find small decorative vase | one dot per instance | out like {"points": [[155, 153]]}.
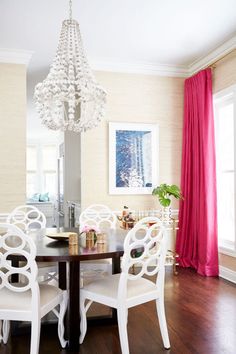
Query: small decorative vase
{"points": [[73, 244], [91, 239], [166, 215]]}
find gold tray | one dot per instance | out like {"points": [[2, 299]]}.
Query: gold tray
{"points": [[60, 236]]}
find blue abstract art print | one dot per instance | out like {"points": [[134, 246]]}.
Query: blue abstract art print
{"points": [[133, 158]]}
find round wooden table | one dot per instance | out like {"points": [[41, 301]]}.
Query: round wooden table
{"points": [[49, 250]]}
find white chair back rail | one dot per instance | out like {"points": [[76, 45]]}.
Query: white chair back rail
{"points": [[27, 217], [102, 218], [98, 215]]}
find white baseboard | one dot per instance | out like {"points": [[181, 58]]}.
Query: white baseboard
{"points": [[227, 274]]}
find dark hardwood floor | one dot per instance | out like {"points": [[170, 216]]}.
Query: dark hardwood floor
{"points": [[201, 316]]}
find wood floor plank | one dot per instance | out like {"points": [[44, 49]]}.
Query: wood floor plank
{"points": [[201, 315]]}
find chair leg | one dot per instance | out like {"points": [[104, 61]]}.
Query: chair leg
{"points": [[83, 320], [5, 330], [35, 335], [162, 322], [122, 325], [1, 334], [61, 327]]}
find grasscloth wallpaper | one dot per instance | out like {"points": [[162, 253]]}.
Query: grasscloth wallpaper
{"points": [[138, 99], [12, 136]]}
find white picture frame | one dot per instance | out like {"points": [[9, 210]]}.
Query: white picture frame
{"points": [[133, 158]]}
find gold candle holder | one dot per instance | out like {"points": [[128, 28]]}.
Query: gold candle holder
{"points": [[73, 243], [73, 239], [74, 249], [101, 237], [101, 247]]}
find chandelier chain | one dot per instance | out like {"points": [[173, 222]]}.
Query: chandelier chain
{"points": [[70, 9]]}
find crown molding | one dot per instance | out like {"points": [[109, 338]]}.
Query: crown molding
{"points": [[15, 56], [213, 56], [165, 69], [146, 68]]}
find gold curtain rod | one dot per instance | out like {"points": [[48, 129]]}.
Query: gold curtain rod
{"points": [[213, 65]]}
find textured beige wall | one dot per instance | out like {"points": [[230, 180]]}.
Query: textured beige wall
{"points": [[224, 75], [12, 136], [139, 99]]}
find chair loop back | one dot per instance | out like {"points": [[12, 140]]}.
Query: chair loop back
{"points": [[145, 247], [27, 217], [14, 242], [99, 216]]}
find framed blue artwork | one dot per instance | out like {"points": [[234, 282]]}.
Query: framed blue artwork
{"points": [[133, 158]]}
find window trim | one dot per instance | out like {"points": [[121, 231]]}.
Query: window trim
{"points": [[227, 251], [39, 170], [220, 99]]}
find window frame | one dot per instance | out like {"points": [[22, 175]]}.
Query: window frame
{"points": [[40, 171], [221, 99]]}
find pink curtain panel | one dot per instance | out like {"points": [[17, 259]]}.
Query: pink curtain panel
{"points": [[196, 241]]}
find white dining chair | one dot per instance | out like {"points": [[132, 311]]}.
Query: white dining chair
{"points": [[125, 290], [28, 300], [103, 218], [98, 215], [29, 218]]}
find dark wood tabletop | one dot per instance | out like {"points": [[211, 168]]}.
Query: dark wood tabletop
{"points": [[53, 250]]}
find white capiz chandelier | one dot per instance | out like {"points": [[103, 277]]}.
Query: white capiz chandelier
{"points": [[70, 98]]}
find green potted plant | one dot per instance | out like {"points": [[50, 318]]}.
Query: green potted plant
{"points": [[165, 191]]}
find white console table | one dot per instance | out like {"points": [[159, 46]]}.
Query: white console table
{"points": [[47, 208], [172, 256]]}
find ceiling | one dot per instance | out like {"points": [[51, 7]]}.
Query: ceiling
{"points": [[124, 35], [147, 32]]}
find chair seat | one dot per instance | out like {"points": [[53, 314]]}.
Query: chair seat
{"points": [[108, 288], [22, 301]]}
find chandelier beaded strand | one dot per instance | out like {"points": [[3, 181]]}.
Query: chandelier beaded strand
{"points": [[70, 98]]}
